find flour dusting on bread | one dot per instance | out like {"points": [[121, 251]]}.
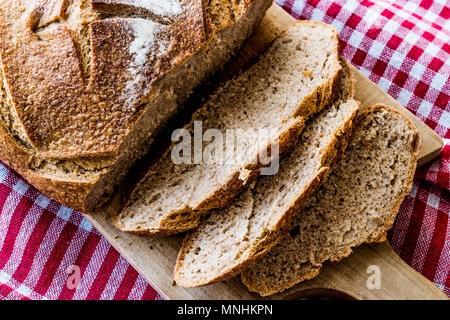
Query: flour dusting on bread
{"points": [[159, 7], [142, 49]]}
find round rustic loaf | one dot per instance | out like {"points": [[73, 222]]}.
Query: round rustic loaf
{"points": [[87, 85]]}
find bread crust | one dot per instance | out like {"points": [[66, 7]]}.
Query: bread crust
{"points": [[68, 193], [72, 193], [379, 236]]}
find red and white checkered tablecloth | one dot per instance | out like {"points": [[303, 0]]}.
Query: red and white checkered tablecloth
{"points": [[403, 46]]}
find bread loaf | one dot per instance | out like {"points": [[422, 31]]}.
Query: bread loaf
{"points": [[357, 204], [85, 86], [294, 79]]}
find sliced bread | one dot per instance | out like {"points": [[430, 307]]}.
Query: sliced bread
{"points": [[357, 204], [294, 79], [232, 238]]}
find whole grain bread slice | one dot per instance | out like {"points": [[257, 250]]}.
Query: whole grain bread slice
{"points": [[231, 239], [294, 79], [357, 204]]}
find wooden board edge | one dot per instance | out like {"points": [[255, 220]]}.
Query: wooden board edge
{"points": [[398, 280]]}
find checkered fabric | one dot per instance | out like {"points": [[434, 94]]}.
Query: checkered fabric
{"points": [[403, 46]]}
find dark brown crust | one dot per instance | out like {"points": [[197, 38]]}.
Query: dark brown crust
{"points": [[189, 34], [379, 236], [278, 230], [44, 113], [66, 192], [54, 10]]}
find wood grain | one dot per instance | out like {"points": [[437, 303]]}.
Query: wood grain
{"points": [[349, 277], [154, 259]]}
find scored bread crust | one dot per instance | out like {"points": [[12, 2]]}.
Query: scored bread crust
{"points": [[65, 187], [52, 120], [380, 235], [279, 227], [267, 242]]}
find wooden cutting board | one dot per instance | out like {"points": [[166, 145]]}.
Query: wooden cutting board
{"points": [[154, 259]]}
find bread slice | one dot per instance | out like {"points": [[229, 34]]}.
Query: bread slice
{"points": [[293, 80], [232, 238], [86, 86], [357, 204]]}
